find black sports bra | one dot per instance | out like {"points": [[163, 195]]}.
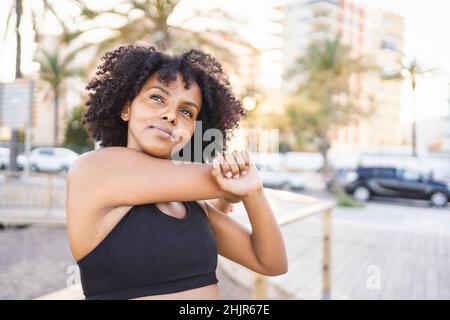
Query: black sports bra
{"points": [[149, 252]]}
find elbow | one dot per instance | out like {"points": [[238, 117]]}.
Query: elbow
{"points": [[281, 271], [278, 271], [285, 269]]}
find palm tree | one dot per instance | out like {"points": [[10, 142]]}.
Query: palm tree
{"points": [[55, 70], [33, 8], [410, 71], [149, 22], [325, 69], [17, 10]]}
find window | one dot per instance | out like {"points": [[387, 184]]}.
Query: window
{"points": [[388, 45], [409, 175], [387, 173], [316, 1], [47, 152]]}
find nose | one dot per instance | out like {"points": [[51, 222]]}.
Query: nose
{"points": [[169, 116]]}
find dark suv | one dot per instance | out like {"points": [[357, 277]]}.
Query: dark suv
{"points": [[365, 182]]}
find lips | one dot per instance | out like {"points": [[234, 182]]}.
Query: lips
{"points": [[166, 130], [163, 132]]}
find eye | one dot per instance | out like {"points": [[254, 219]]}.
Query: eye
{"points": [[189, 113], [157, 98]]}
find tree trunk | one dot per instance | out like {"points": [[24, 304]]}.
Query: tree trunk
{"points": [[14, 143], [56, 120], [414, 139], [18, 38], [323, 149], [414, 122]]}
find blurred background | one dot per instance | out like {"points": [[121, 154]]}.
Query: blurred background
{"points": [[348, 120]]}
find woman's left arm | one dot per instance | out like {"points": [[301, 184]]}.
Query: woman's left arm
{"points": [[262, 249], [266, 237]]}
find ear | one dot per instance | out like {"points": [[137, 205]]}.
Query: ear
{"points": [[125, 114]]}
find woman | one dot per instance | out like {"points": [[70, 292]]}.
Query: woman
{"points": [[141, 225]]}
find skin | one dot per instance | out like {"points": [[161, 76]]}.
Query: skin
{"points": [[104, 184]]}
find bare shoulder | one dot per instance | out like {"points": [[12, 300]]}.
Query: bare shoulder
{"points": [[80, 170], [79, 180], [81, 184], [89, 162], [88, 219]]}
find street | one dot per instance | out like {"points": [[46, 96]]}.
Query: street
{"points": [[386, 250]]}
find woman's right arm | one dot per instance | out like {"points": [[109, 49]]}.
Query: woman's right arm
{"points": [[120, 176]]}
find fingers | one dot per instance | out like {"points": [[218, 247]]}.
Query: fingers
{"points": [[246, 156], [233, 164], [224, 166], [240, 162], [217, 173], [216, 167]]}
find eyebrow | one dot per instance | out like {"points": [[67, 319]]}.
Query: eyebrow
{"points": [[160, 88], [168, 93]]}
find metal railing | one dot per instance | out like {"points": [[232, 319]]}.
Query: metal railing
{"points": [[33, 197], [312, 207]]}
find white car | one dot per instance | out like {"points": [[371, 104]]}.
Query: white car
{"points": [[4, 159], [276, 178], [51, 159]]}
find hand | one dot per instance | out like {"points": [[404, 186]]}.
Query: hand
{"points": [[236, 173]]}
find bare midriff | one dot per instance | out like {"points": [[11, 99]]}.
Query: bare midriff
{"points": [[210, 292]]}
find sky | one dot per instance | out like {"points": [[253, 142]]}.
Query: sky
{"points": [[426, 23]]}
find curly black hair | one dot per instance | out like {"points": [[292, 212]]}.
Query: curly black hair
{"points": [[124, 71]]}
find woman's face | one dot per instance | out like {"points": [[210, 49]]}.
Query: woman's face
{"points": [[158, 108]]}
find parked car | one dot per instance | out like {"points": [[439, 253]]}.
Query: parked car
{"points": [[277, 178], [365, 182], [336, 178], [4, 159], [51, 159]]}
